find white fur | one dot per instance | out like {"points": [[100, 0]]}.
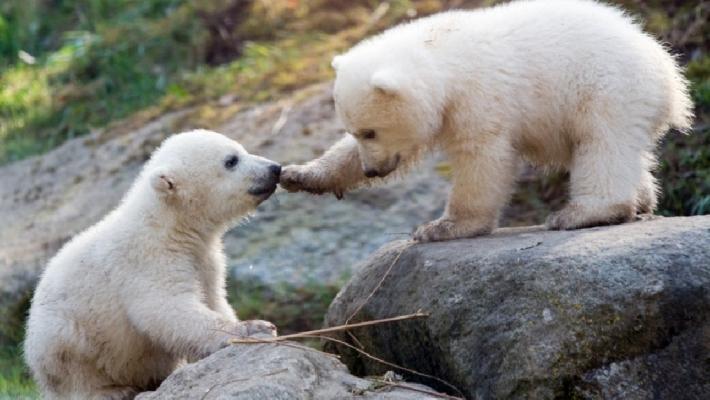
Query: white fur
{"points": [[126, 301], [571, 84]]}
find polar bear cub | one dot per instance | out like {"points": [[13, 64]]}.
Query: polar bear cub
{"points": [[126, 301], [571, 84]]}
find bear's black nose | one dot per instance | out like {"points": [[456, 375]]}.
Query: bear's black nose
{"points": [[371, 173], [275, 170]]}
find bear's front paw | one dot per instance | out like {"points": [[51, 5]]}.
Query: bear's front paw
{"points": [[298, 178], [447, 229], [295, 178], [257, 328]]}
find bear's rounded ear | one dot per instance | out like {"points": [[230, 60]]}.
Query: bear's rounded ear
{"points": [[163, 182], [336, 62], [386, 81]]}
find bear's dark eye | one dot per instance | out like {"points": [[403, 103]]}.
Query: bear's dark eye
{"points": [[368, 134], [231, 162]]}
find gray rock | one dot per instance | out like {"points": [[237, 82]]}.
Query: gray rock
{"points": [[620, 312], [672, 372], [276, 371]]}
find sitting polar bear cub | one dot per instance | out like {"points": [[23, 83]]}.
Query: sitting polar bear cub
{"points": [[126, 301], [562, 84]]}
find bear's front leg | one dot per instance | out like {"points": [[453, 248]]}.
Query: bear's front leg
{"points": [[181, 323], [336, 171], [481, 187]]}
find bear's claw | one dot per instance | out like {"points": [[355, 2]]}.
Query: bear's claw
{"points": [[256, 327], [447, 229], [434, 231]]}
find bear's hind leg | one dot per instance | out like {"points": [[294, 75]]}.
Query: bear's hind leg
{"points": [[647, 191], [605, 179]]}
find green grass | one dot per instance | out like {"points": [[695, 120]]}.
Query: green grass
{"points": [[685, 159], [15, 382], [698, 72], [94, 62], [685, 170], [98, 61]]}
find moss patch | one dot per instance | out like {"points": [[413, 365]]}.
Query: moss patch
{"points": [[291, 309]]}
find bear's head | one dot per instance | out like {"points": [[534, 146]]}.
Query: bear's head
{"points": [[390, 104], [206, 177]]}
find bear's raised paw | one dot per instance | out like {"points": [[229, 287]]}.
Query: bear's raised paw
{"points": [[297, 178]]}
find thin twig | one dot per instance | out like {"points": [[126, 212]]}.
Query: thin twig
{"points": [[294, 345], [339, 328], [390, 364], [281, 121], [355, 339], [416, 389], [357, 310], [363, 352], [306, 348]]}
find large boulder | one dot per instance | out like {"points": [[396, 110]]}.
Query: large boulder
{"points": [[278, 371], [611, 312]]}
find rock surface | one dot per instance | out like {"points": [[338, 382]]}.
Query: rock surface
{"points": [[276, 371], [618, 312]]}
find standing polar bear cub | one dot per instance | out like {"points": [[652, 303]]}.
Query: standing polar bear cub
{"points": [[564, 84], [126, 301]]}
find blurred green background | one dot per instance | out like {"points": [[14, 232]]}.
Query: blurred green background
{"points": [[68, 67]]}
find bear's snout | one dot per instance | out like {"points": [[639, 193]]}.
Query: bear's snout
{"points": [[266, 185], [382, 171], [275, 170]]}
